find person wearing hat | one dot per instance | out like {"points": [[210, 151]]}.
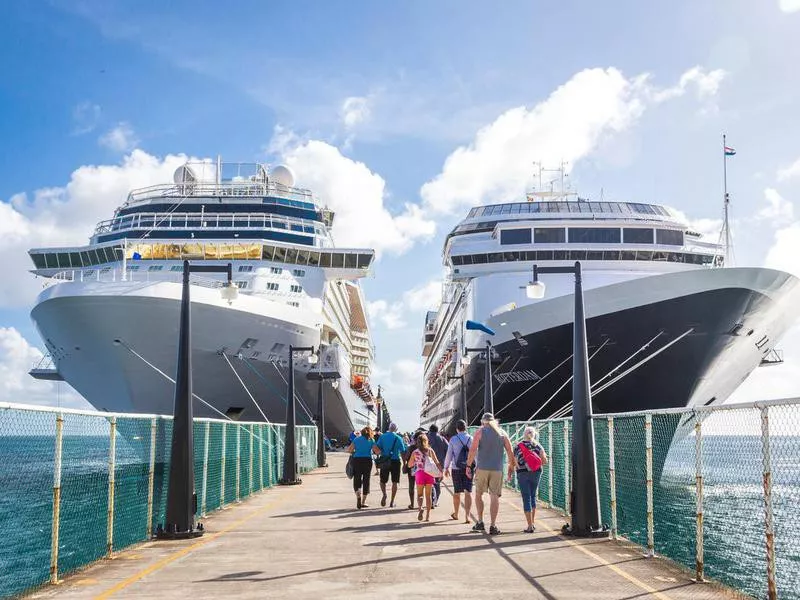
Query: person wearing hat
{"points": [[487, 449]]}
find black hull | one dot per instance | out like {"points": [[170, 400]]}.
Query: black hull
{"points": [[667, 381]]}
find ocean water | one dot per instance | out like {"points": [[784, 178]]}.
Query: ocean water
{"points": [[733, 499]]}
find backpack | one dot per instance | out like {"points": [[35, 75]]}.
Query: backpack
{"points": [[461, 459]]}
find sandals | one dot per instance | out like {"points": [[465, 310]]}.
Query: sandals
{"points": [[453, 516], [419, 516]]}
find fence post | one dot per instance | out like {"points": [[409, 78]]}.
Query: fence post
{"points": [[261, 456], [112, 459], [251, 459], [612, 476], [222, 460], [698, 466], [567, 507], [269, 457], [56, 499], [204, 488], [238, 458], [151, 468], [772, 590], [550, 463], [648, 441]]}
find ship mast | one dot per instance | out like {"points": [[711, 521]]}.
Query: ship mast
{"points": [[725, 234]]}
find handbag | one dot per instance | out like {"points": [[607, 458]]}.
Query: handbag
{"points": [[385, 460], [532, 459], [348, 468], [430, 467]]}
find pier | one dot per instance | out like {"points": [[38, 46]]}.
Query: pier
{"points": [[694, 500], [310, 541]]}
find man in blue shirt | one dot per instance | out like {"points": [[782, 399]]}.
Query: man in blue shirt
{"points": [[392, 446]]}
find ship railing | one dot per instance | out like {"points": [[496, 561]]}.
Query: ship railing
{"points": [[67, 466], [109, 275], [196, 221], [45, 363], [714, 488], [226, 189]]}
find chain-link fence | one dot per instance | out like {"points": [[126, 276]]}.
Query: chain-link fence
{"points": [[716, 489], [78, 486]]}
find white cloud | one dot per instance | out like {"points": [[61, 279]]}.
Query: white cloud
{"points": [[789, 6], [121, 138], [355, 110], [17, 357], [401, 385], [355, 193], [85, 117], [414, 302], [67, 215], [785, 250], [778, 210], [706, 84], [390, 314], [792, 170], [567, 126]]}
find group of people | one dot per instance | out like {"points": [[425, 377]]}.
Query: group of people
{"points": [[470, 461]]}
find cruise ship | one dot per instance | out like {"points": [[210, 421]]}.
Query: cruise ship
{"points": [[668, 323], [109, 311]]}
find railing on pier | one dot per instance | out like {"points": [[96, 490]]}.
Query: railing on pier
{"points": [[78, 486], [716, 489]]}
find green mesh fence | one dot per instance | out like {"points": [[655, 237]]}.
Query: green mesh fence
{"points": [[749, 466], [108, 474]]}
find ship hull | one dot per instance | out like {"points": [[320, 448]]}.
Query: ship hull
{"points": [[109, 342], [692, 337]]}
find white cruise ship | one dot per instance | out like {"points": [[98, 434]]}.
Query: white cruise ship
{"points": [[669, 325], [109, 313]]}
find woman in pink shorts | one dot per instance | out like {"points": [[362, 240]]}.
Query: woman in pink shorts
{"points": [[423, 480]]}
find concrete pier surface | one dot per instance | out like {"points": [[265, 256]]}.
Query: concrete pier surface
{"points": [[309, 541]]}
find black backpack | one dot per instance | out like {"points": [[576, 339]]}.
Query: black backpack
{"points": [[461, 459]]}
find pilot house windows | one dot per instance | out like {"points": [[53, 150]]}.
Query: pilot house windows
{"points": [[550, 235], [515, 236], [636, 235], [594, 235], [669, 237]]}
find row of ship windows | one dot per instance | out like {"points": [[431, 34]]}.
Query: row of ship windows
{"points": [[536, 255], [591, 235], [580, 206], [242, 269], [202, 251]]}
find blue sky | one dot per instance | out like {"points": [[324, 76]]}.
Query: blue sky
{"points": [[369, 102]]}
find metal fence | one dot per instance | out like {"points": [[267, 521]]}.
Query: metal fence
{"points": [[77, 486], [716, 489]]}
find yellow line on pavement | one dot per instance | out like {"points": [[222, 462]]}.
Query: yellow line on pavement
{"points": [[618, 570], [184, 551]]}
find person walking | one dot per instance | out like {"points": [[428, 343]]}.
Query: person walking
{"points": [[487, 447], [531, 457], [391, 446], [457, 453], [439, 445], [408, 469], [376, 436], [362, 448], [424, 476]]}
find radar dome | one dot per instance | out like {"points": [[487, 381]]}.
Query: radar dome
{"points": [[282, 175], [184, 174]]}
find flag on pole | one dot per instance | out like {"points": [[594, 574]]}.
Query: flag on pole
{"points": [[729, 151]]}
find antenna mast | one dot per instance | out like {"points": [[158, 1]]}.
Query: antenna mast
{"points": [[725, 234]]}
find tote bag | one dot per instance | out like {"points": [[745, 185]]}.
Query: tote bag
{"points": [[430, 467]]}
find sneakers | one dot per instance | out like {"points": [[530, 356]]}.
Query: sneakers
{"points": [[493, 530], [479, 527], [529, 529]]}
